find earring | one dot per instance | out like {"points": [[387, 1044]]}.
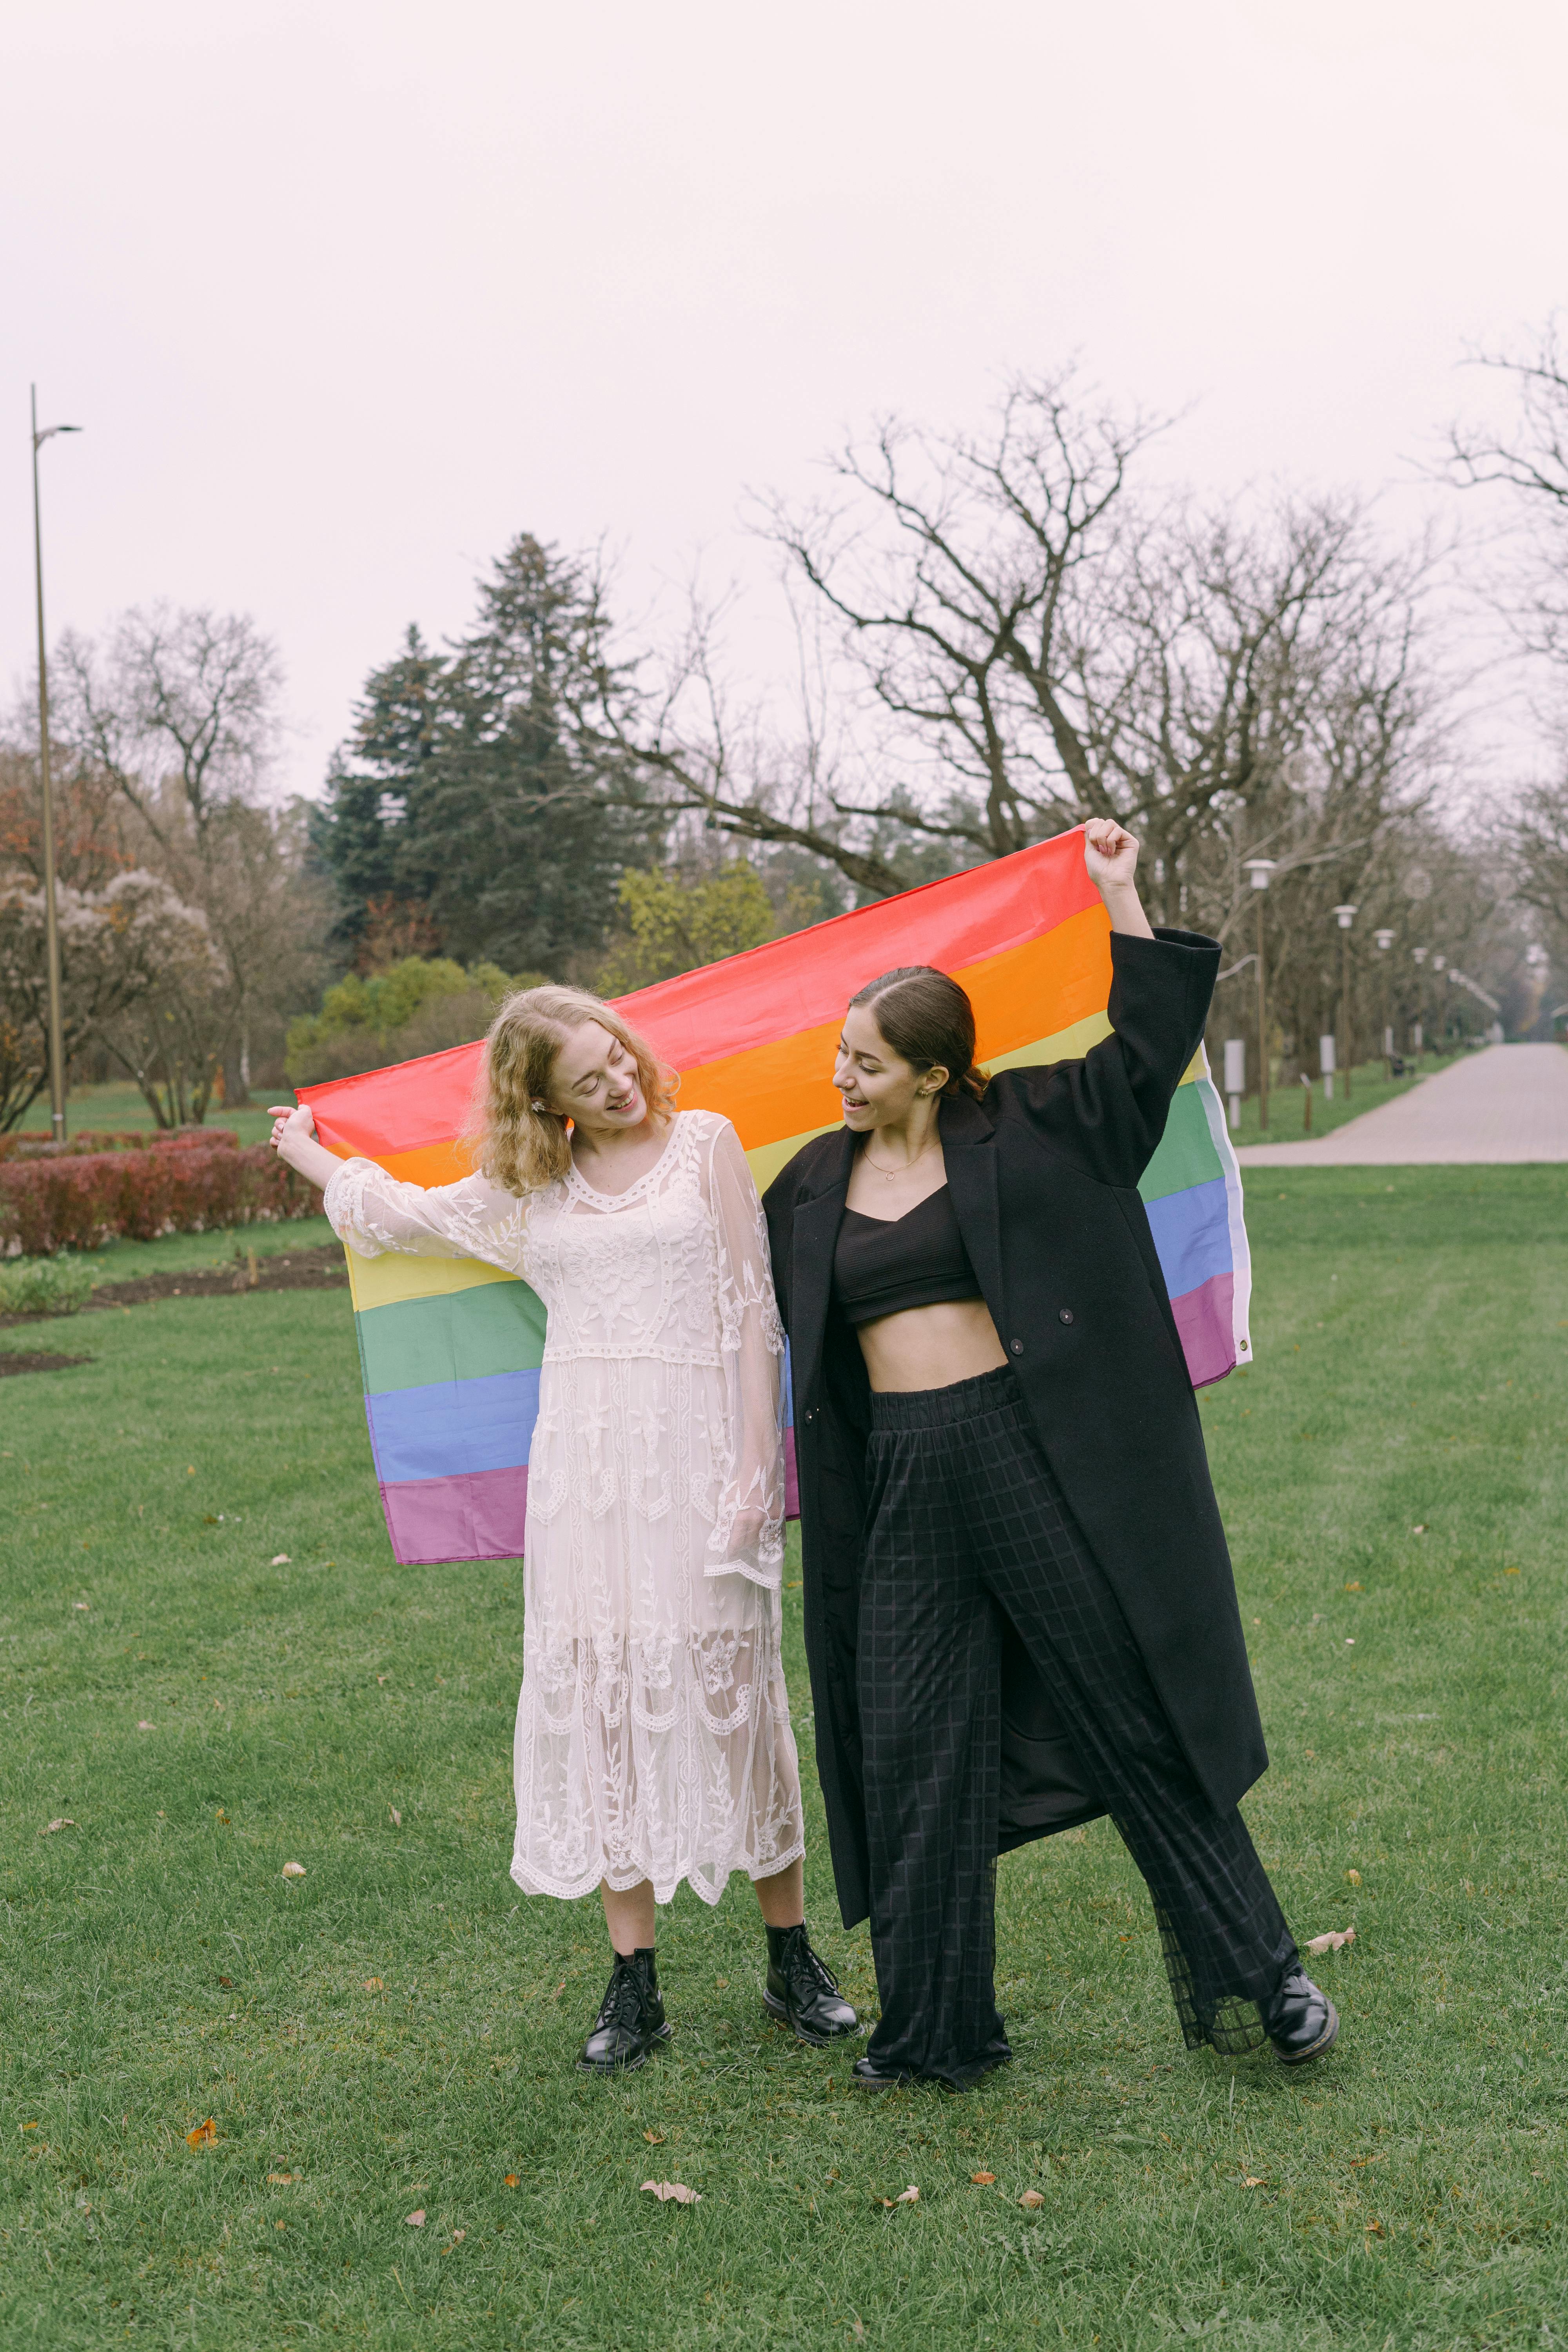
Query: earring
{"points": [[538, 1106]]}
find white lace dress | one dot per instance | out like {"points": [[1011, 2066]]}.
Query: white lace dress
{"points": [[653, 1733]]}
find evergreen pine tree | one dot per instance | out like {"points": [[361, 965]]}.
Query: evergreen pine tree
{"points": [[459, 794]]}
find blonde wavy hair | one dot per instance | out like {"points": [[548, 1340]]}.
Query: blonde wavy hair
{"points": [[515, 1145]]}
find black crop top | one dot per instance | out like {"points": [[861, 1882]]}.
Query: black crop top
{"points": [[883, 1265]]}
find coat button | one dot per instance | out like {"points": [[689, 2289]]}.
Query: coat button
{"points": [[1064, 1314], [1017, 1347]]}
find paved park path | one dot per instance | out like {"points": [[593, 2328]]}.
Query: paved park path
{"points": [[1505, 1103]]}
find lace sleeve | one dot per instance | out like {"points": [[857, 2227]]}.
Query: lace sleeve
{"points": [[748, 1534], [369, 1212]]}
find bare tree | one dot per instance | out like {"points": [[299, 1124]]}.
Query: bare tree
{"points": [[1535, 838], [1529, 463], [130, 954], [1033, 645], [179, 712]]}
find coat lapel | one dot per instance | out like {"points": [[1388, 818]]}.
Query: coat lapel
{"points": [[816, 1224], [968, 1150]]}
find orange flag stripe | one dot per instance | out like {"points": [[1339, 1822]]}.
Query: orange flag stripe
{"points": [[786, 1088]]}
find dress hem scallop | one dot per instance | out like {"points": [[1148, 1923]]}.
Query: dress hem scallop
{"points": [[663, 1892]]}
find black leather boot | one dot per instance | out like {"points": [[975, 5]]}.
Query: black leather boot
{"points": [[630, 2023], [803, 1991], [1300, 2021]]}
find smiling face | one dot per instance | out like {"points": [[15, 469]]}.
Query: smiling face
{"points": [[594, 1082], [879, 1088]]}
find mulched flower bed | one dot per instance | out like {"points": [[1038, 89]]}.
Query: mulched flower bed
{"points": [[304, 1269], [13, 1359]]}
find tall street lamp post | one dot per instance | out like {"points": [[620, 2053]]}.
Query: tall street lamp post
{"points": [[51, 911], [1259, 870], [1384, 941], [1346, 917]]}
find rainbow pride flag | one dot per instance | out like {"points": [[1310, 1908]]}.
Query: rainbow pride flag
{"points": [[451, 1349]]}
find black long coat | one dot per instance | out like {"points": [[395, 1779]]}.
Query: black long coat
{"points": [[1043, 1172]]}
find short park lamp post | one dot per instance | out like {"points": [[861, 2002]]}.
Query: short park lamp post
{"points": [[1259, 870], [1384, 940], [1417, 1035], [1441, 963]]}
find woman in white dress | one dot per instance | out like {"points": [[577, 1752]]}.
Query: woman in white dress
{"points": [[653, 1734]]}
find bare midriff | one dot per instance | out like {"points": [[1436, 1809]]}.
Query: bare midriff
{"points": [[930, 1347]]}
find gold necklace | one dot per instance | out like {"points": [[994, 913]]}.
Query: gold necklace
{"points": [[889, 1175]]}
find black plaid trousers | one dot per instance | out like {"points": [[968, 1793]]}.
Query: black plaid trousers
{"points": [[969, 1542]]}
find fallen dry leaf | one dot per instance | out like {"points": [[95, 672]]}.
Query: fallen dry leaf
{"points": [[380, 1679], [1031, 2197], [415, 2221], [673, 2192], [282, 2179], [80, 1604], [1420, 1531], [1352, 1878], [457, 2236], [146, 1726], [64, 1822], [279, 1559], [1335, 1941], [983, 2179], [655, 2139], [396, 1817], [910, 2196], [203, 2136], [293, 1870], [512, 2180], [373, 1984], [1250, 2180]]}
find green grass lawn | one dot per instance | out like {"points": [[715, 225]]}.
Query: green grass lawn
{"points": [[395, 2031], [1370, 1086]]}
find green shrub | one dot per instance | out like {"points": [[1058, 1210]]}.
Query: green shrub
{"points": [[43, 1286], [677, 922], [421, 1005]]}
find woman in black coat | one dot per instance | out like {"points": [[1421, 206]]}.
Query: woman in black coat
{"points": [[1019, 1606]]}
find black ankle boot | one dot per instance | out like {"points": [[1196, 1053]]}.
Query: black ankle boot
{"points": [[804, 1991], [630, 2023], [1300, 2021]]}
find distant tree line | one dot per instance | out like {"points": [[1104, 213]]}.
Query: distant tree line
{"points": [[1003, 631]]}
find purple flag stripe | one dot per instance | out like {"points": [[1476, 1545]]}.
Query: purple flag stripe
{"points": [[472, 1515], [1205, 1320]]}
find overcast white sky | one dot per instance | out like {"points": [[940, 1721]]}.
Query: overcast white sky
{"points": [[347, 294]]}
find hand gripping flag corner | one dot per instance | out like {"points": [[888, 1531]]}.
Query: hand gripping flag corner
{"points": [[451, 1349]]}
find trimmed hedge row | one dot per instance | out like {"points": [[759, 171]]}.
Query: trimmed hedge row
{"points": [[172, 1139], [82, 1200]]}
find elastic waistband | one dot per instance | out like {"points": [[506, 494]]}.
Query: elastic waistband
{"points": [[942, 1408]]}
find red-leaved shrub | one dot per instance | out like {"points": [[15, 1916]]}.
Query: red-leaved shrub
{"points": [[172, 1139], [78, 1200]]}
